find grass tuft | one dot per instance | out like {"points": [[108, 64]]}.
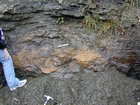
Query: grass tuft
{"points": [[111, 26]]}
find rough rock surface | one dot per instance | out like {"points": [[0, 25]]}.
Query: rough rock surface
{"points": [[78, 60], [34, 36]]}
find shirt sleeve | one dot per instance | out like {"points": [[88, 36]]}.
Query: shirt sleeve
{"points": [[3, 44]]}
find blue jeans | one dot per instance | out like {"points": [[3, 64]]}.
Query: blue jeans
{"points": [[9, 71]]}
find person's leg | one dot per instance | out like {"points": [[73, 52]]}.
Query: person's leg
{"points": [[9, 72]]}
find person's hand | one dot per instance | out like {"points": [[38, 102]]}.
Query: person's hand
{"points": [[6, 54], [2, 37]]}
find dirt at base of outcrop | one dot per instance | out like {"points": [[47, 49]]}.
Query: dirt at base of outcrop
{"points": [[108, 87]]}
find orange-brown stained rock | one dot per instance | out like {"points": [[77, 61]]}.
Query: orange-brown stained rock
{"points": [[85, 57], [48, 70]]}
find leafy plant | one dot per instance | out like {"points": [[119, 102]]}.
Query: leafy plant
{"points": [[60, 19]]}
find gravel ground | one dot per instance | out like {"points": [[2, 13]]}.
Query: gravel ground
{"points": [[108, 87]]}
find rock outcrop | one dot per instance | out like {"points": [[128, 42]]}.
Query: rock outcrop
{"points": [[34, 37]]}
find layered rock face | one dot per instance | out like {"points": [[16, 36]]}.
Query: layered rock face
{"points": [[37, 43]]}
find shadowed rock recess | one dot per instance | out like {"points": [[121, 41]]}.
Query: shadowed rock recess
{"points": [[80, 66]]}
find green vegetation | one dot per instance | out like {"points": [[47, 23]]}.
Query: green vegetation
{"points": [[90, 23], [60, 19], [110, 26], [130, 4]]}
